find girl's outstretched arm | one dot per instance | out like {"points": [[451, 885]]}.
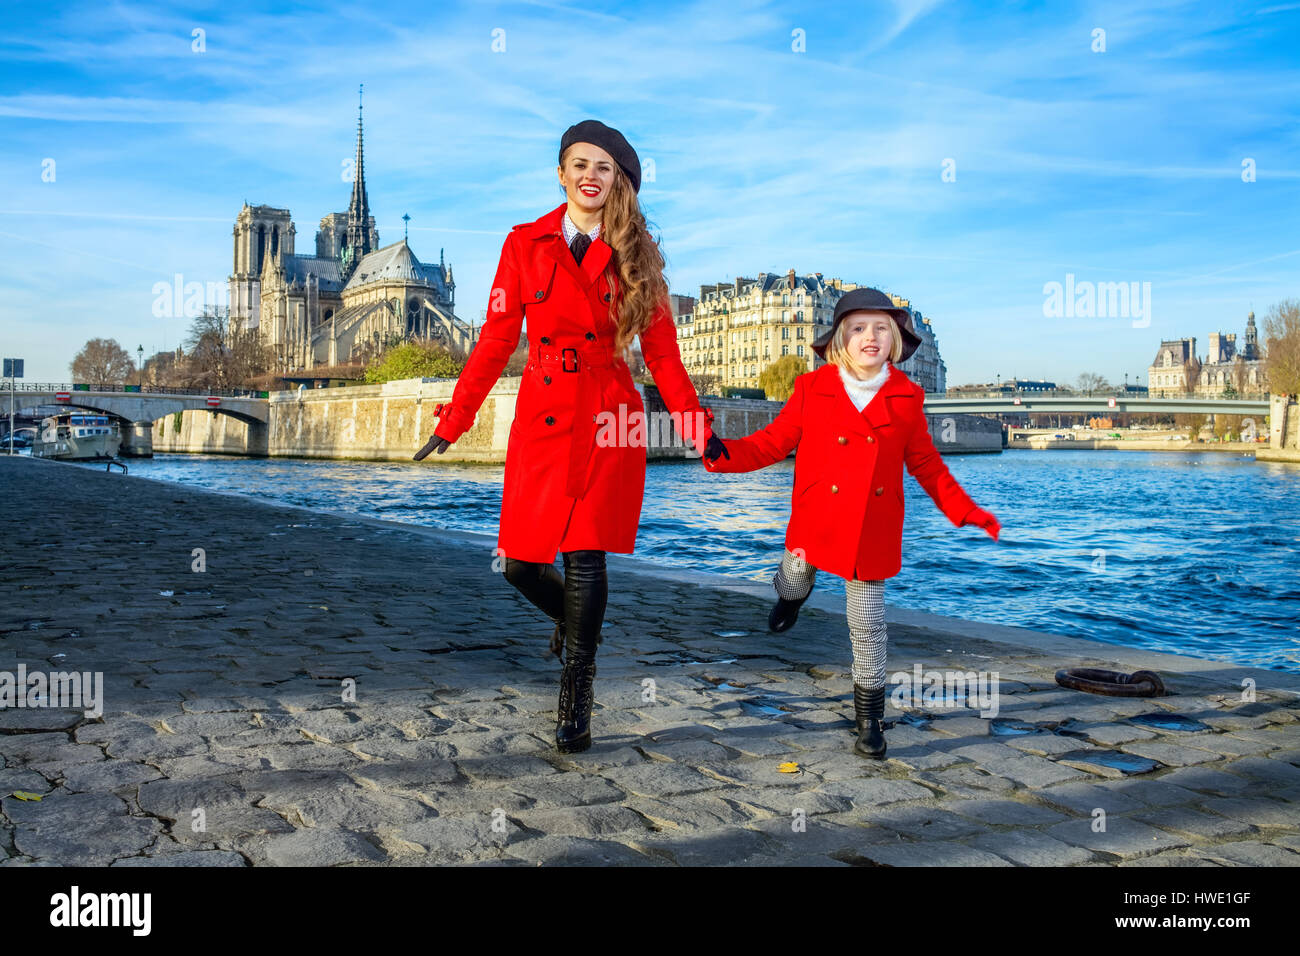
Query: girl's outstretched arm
{"points": [[767, 445], [926, 465]]}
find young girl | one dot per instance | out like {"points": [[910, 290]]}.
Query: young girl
{"points": [[589, 276], [857, 421]]}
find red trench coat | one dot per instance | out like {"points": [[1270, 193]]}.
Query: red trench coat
{"points": [[564, 491], [847, 505]]}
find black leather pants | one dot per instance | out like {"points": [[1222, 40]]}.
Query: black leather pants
{"points": [[576, 601]]}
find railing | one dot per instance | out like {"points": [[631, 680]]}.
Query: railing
{"points": [[133, 389], [1118, 394]]}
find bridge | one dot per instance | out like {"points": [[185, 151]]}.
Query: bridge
{"points": [[135, 403], [1023, 403]]}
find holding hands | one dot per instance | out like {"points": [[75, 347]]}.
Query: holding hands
{"points": [[714, 447]]}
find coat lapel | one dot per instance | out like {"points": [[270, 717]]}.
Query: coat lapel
{"points": [[551, 233], [877, 412]]}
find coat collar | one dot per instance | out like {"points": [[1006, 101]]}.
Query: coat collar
{"points": [[550, 233], [826, 381]]}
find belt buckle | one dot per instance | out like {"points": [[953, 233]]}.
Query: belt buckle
{"points": [[564, 360]]}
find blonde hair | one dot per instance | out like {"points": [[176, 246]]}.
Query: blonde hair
{"points": [[837, 351], [642, 289]]}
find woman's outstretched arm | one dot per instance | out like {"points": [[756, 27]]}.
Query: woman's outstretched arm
{"points": [[497, 341], [663, 357], [767, 445]]}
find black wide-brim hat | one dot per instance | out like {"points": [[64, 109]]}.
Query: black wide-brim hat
{"points": [[610, 140], [872, 300]]}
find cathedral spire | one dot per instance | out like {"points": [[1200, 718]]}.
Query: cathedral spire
{"points": [[360, 236]]}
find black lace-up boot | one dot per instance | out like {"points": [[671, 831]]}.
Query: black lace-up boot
{"points": [[586, 591]]}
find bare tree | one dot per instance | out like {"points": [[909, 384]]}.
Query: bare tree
{"points": [[1191, 375], [1282, 348], [705, 382], [222, 357], [102, 362], [1090, 382]]}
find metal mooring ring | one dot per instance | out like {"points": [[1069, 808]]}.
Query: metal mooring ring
{"points": [[1094, 680]]}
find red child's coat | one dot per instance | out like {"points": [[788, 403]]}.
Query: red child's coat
{"points": [[847, 506], [564, 490]]}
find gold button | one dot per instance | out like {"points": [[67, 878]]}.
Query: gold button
{"points": [[871, 438], [880, 491], [843, 440], [835, 489]]}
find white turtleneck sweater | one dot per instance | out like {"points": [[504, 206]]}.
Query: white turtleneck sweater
{"points": [[861, 391]]}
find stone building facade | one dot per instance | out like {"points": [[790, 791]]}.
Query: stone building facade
{"points": [[1174, 373], [736, 329]]}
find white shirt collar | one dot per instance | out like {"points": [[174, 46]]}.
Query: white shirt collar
{"points": [[571, 229]]}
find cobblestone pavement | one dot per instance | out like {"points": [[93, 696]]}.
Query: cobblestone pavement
{"points": [[228, 736]]}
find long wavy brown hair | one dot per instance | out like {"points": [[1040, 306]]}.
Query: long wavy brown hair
{"points": [[637, 258]]}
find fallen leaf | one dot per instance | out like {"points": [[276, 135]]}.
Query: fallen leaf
{"points": [[24, 795], [790, 767]]}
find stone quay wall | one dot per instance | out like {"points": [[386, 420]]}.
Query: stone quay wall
{"points": [[391, 421]]}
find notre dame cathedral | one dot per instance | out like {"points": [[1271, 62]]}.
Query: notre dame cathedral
{"points": [[351, 299]]}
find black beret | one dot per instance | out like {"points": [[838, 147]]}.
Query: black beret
{"points": [[610, 140]]}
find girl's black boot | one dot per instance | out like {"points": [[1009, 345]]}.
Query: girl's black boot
{"points": [[869, 709]]}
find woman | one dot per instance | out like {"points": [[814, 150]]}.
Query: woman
{"points": [[589, 277], [857, 421]]}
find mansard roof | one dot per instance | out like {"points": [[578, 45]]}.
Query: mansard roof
{"points": [[767, 282], [394, 263]]}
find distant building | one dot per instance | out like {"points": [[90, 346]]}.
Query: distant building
{"points": [[736, 329], [351, 298], [1173, 371]]}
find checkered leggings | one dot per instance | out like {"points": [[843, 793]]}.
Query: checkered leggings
{"points": [[865, 610]]}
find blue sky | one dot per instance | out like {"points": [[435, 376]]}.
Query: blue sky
{"points": [[1115, 166]]}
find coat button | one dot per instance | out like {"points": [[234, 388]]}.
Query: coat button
{"points": [[607, 296], [880, 490], [835, 489], [591, 336], [843, 440], [546, 379], [538, 294], [871, 438], [550, 420], [545, 340]]}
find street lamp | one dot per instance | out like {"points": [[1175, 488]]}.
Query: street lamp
{"points": [[139, 351]]}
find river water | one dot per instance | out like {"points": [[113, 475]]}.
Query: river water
{"points": [[1191, 553]]}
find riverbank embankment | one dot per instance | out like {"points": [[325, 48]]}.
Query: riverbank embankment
{"points": [[286, 686]]}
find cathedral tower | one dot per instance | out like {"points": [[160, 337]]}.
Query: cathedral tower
{"points": [[261, 233]]}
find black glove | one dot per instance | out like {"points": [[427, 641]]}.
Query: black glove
{"points": [[714, 447], [434, 443]]}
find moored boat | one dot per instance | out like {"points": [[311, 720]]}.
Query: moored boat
{"points": [[77, 436]]}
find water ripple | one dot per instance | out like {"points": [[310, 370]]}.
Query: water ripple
{"points": [[1170, 551]]}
